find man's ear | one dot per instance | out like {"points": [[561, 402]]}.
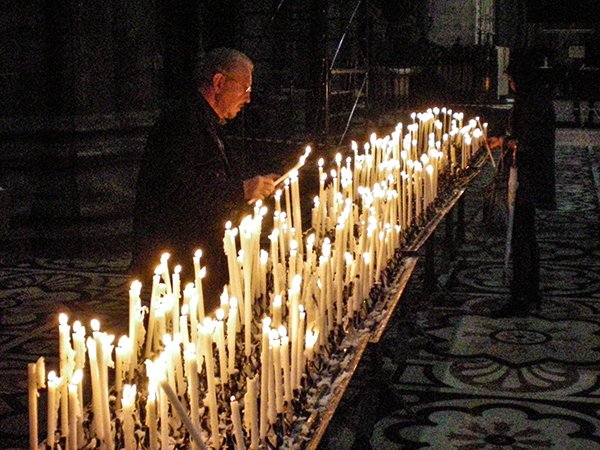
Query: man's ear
{"points": [[218, 81]]}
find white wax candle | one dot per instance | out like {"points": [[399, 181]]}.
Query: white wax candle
{"points": [[103, 351], [200, 292], [128, 402], [236, 419], [251, 409], [285, 365], [219, 335], [134, 306], [166, 275], [153, 300], [276, 358], [163, 402], [73, 413], [178, 365], [231, 334], [193, 316], [65, 371], [32, 403], [183, 415], [183, 325], [276, 310], [264, 377], [97, 423], [301, 345], [53, 386], [191, 369], [176, 298], [151, 419], [207, 330]]}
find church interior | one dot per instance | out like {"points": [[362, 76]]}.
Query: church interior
{"points": [[83, 83]]}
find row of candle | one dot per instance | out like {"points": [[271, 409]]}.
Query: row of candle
{"points": [[308, 286]]}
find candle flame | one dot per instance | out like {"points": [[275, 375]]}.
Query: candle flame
{"points": [[274, 335], [136, 286], [77, 377], [95, 324], [124, 341], [63, 319], [282, 331]]}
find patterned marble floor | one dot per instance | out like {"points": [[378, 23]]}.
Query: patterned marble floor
{"points": [[445, 375]]}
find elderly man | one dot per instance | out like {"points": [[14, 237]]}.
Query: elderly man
{"points": [[189, 184]]}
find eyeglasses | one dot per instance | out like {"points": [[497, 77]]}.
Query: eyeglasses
{"points": [[247, 89]]}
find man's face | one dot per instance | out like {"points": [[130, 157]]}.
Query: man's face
{"points": [[233, 92]]}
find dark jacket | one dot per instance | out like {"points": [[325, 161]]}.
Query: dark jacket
{"points": [[188, 187], [533, 125]]}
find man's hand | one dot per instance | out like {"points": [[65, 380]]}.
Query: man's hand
{"points": [[259, 187], [495, 142]]}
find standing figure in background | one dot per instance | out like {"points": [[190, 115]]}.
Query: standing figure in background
{"points": [[532, 129], [189, 183]]}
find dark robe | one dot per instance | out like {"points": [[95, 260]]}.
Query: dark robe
{"points": [[188, 187], [533, 126]]}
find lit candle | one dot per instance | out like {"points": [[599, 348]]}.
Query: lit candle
{"points": [[231, 334], [193, 311], [183, 325], [296, 211], [103, 350], [128, 402], [199, 274], [264, 377], [32, 405], [285, 364], [79, 348], [96, 392], [276, 358], [74, 411], [53, 386], [134, 305], [163, 407], [166, 276], [276, 310], [176, 297], [122, 358], [151, 320], [264, 259], [151, 419], [300, 344], [191, 371], [220, 341], [179, 375], [207, 330], [64, 351]]}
